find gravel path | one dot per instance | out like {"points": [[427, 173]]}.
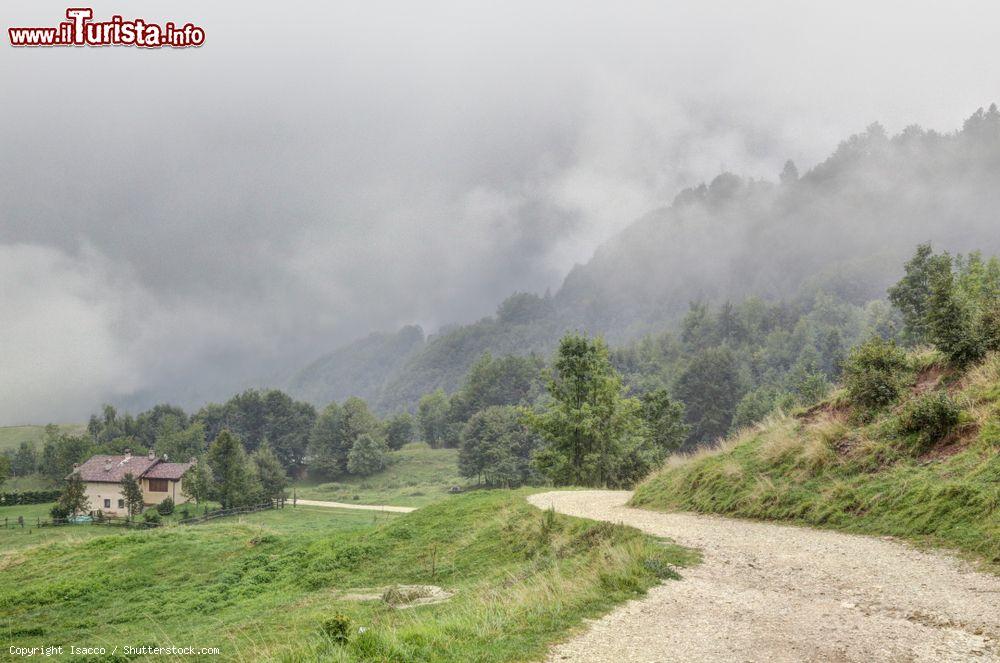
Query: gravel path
{"points": [[350, 505], [769, 592]]}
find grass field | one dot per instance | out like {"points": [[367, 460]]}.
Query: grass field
{"points": [[827, 468], [12, 436], [417, 475], [13, 536], [263, 587]]}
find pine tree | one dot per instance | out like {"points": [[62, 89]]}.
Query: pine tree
{"points": [[234, 480], [950, 322]]}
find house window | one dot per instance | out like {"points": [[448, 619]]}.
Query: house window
{"points": [[107, 504], [157, 485], [121, 504]]}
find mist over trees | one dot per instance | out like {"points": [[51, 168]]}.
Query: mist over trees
{"points": [[841, 229]]}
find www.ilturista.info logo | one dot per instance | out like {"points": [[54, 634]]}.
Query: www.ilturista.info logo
{"points": [[81, 30]]}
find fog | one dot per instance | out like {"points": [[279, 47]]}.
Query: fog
{"points": [[179, 224]]}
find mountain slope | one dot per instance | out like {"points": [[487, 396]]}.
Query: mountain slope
{"points": [[358, 369], [846, 225]]}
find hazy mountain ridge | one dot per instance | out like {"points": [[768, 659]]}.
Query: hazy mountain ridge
{"points": [[846, 224]]}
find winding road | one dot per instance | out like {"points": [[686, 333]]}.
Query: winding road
{"points": [[767, 592]]}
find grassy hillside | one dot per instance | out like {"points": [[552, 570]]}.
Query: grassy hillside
{"points": [[12, 436], [263, 588], [416, 475], [899, 473]]}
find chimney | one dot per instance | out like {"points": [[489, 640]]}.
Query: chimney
{"points": [[152, 455], [76, 466], [128, 454], [165, 459], [107, 466]]}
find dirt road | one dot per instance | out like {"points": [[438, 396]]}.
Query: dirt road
{"points": [[768, 592], [351, 505]]}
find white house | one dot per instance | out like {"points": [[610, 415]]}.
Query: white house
{"points": [[102, 476]]}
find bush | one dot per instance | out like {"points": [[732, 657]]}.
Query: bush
{"points": [[166, 507], [874, 373], [930, 417], [58, 513], [337, 628], [151, 517]]}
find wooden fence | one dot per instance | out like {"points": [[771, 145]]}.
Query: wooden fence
{"points": [[236, 511], [118, 521]]}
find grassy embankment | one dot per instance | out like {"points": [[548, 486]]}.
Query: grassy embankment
{"points": [[262, 587], [831, 467], [417, 475]]}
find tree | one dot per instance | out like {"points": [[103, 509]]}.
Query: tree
{"points": [[175, 441], [789, 174], [270, 472], [911, 294], [950, 320], [336, 432], [197, 482], [234, 480], [327, 447], [432, 417], [367, 456], [588, 425], [399, 430], [664, 420], [288, 424], [508, 380], [497, 447], [149, 425], [25, 459], [60, 452], [132, 494], [5, 464], [710, 387], [74, 500]]}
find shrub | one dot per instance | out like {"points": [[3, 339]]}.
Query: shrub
{"points": [[58, 513], [151, 517], [874, 373], [166, 507], [337, 628], [30, 497], [930, 417]]}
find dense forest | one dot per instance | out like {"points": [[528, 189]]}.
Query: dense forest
{"points": [[841, 230]]}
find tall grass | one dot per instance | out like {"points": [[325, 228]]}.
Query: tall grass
{"points": [[937, 484]]}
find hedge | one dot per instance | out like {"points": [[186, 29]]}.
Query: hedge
{"points": [[29, 497]]}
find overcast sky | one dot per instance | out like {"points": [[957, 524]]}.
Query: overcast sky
{"points": [[181, 222]]}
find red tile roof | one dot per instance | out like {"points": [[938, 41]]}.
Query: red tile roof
{"points": [[164, 470], [112, 469]]}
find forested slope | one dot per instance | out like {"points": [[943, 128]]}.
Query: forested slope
{"points": [[843, 228]]}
